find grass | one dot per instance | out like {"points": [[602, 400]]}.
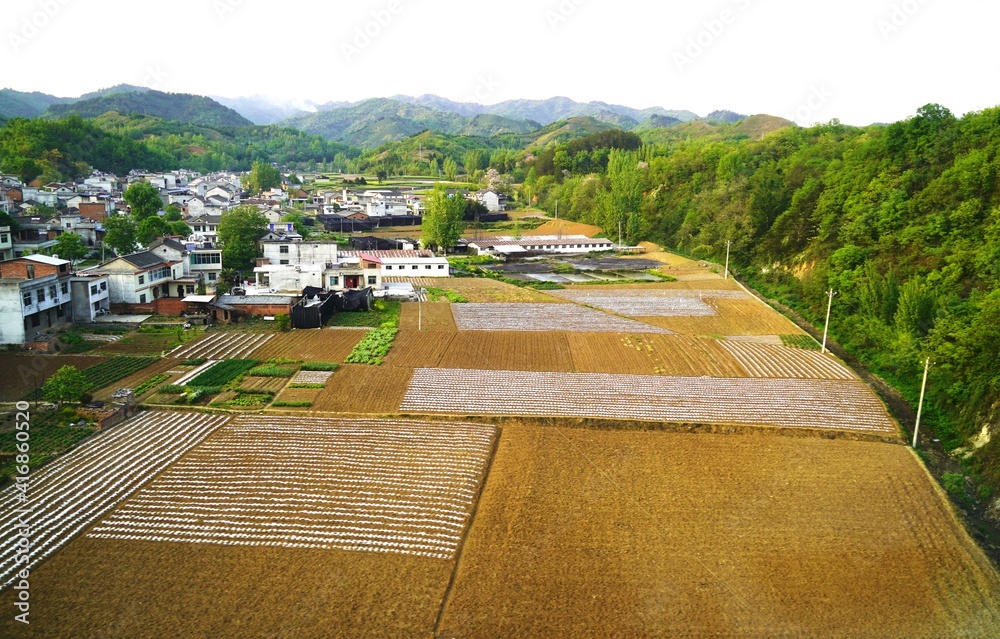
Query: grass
{"points": [[271, 370], [320, 366], [223, 373], [291, 405], [436, 293], [805, 342], [383, 312]]}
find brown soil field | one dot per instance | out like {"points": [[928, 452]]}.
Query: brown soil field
{"points": [[298, 395], [507, 351], [355, 388], [675, 355], [485, 291], [138, 344], [596, 534], [555, 227], [264, 383], [316, 345], [21, 371], [419, 349], [436, 317], [706, 286], [104, 589], [736, 317], [135, 379]]}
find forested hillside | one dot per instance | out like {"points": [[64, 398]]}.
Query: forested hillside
{"points": [[182, 107], [903, 221]]}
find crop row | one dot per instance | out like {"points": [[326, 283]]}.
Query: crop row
{"points": [[71, 493], [373, 348], [364, 485], [653, 303], [763, 360], [544, 317], [224, 372], [111, 370], [224, 345], [819, 404]]}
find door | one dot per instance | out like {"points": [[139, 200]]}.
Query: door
{"points": [[352, 281]]}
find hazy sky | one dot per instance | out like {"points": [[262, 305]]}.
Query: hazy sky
{"points": [[861, 61]]}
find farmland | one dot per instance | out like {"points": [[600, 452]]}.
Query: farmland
{"points": [[543, 317], [489, 350], [485, 291], [433, 317], [223, 345], [789, 403], [332, 345], [360, 389], [23, 372], [675, 355], [734, 317], [651, 302], [763, 360], [594, 533]]}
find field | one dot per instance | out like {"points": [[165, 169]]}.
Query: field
{"points": [[788, 403], [223, 345], [22, 372], [419, 349], [359, 389], [543, 317], [735, 317], [140, 344], [763, 360], [327, 345], [597, 534], [509, 351], [69, 494], [485, 291], [373, 486], [271, 384], [435, 316], [675, 355], [651, 302], [556, 227], [133, 380]]}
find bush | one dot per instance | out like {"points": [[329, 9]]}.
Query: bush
{"points": [[954, 483], [283, 323], [197, 361], [171, 389]]}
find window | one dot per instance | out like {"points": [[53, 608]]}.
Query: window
{"points": [[93, 289], [284, 250], [142, 298], [372, 280], [388, 267], [65, 288], [203, 258], [41, 295], [31, 271], [334, 280], [104, 286], [4, 238], [440, 267], [142, 280], [428, 267], [283, 263], [27, 298], [35, 321], [211, 277], [53, 291], [414, 267], [190, 290]]}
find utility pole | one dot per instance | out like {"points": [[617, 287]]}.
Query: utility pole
{"points": [[420, 310], [920, 408], [729, 246], [619, 234], [829, 309]]}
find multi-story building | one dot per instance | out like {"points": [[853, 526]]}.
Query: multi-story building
{"points": [[91, 297], [202, 260], [35, 296], [142, 277], [6, 244]]}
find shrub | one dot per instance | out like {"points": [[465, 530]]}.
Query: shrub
{"points": [[171, 389], [283, 323], [197, 361], [954, 483]]}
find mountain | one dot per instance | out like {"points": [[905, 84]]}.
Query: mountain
{"points": [[559, 132], [181, 107], [118, 88], [551, 110], [371, 123], [263, 110], [17, 104], [725, 116]]}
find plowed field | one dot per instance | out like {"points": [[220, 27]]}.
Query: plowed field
{"points": [[324, 345], [489, 350], [22, 372], [482, 290], [419, 349], [376, 390], [735, 317], [611, 534], [674, 355], [436, 317]]}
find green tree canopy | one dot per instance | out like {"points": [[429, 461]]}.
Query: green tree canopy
{"points": [[120, 234], [144, 200], [67, 384], [239, 231], [443, 223], [70, 246], [151, 228], [262, 177]]}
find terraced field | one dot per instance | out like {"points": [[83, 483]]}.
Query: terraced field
{"points": [[223, 345], [324, 345], [543, 317]]}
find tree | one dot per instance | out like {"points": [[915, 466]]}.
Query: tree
{"points": [[70, 246], [263, 177], [67, 384], [621, 202], [298, 222], [228, 279], [120, 233], [172, 213], [443, 220], [450, 169], [144, 200], [151, 228], [239, 231], [7, 220]]}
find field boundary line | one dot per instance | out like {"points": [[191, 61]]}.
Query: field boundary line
{"points": [[468, 530]]}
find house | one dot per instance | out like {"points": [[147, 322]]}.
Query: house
{"points": [[195, 207], [141, 278], [372, 268], [91, 297], [202, 261], [35, 235], [541, 244], [230, 308], [493, 202], [6, 244], [96, 211], [223, 193], [35, 296], [206, 227], [88, 230]]}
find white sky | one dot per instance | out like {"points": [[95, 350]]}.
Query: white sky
{"points": [[771, 57]]}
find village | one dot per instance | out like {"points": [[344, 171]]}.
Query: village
{"points": [[345, 248]]}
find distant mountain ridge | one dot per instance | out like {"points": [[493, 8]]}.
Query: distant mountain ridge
{"points": [[182, 107]]}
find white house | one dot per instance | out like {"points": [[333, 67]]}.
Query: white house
{"points": [[202, 261], [206, 227], [34, 296], [91, 297], [6, 244], [545, 244], [139, 278]]}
